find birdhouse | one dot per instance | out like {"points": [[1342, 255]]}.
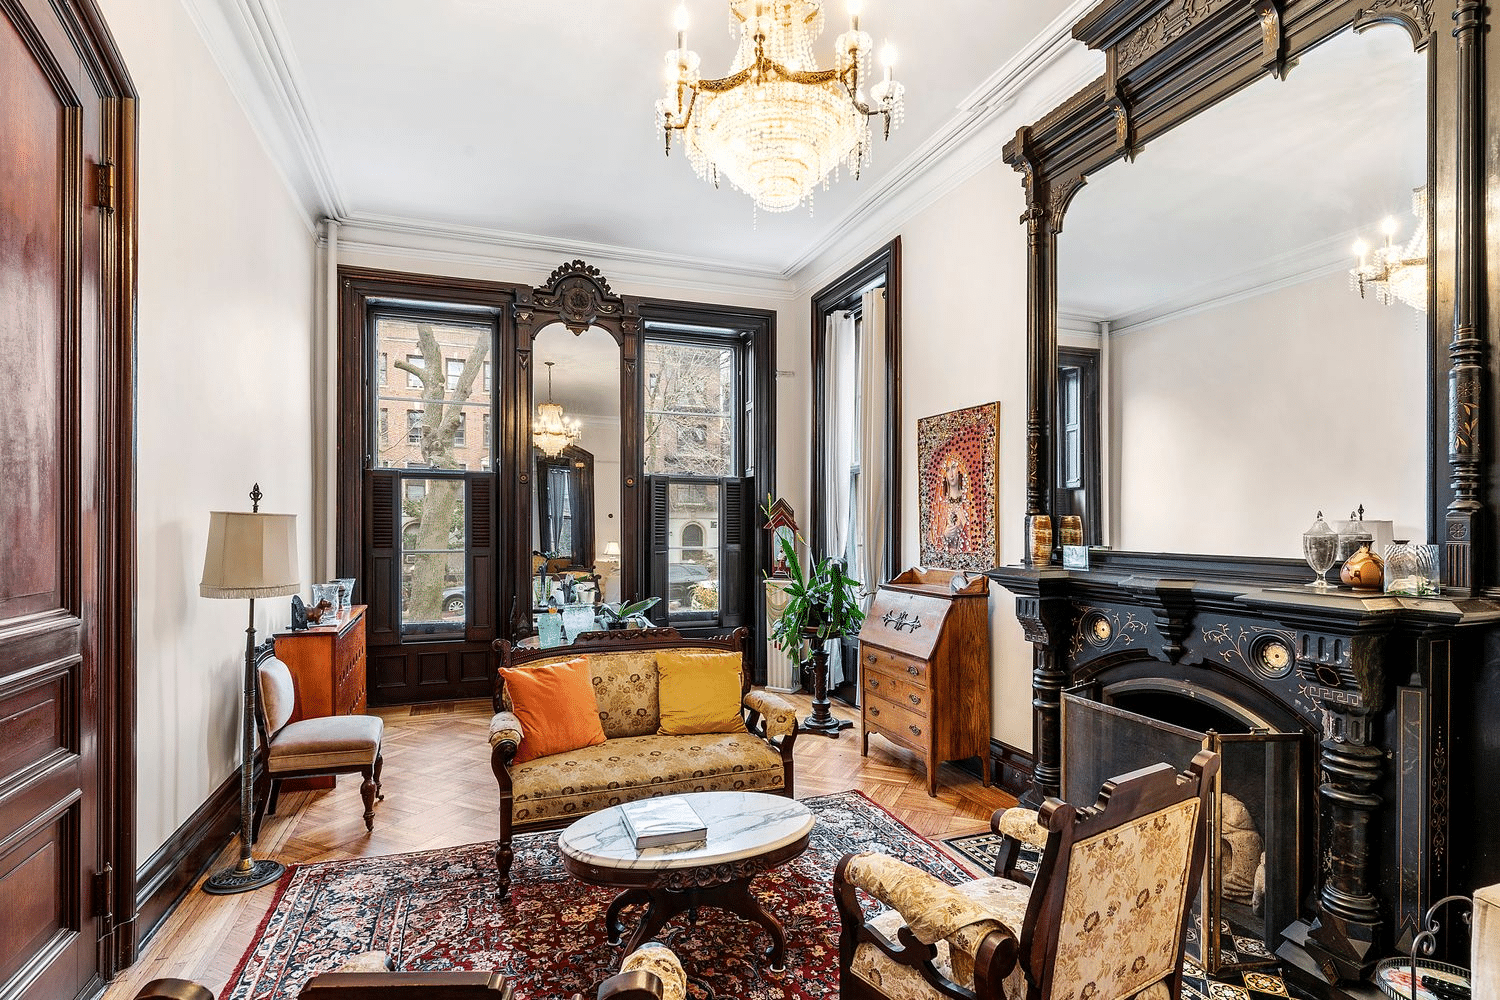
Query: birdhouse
{"points": [[781, 522]]}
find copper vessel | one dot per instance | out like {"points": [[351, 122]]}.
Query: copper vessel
{"points": [[1364, 570]]}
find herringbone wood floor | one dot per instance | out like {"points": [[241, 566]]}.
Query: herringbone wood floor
{"points": [[439, 793]]}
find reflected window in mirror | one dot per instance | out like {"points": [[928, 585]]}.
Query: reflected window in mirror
{"points": [[1078, 456], [1245, 382]]}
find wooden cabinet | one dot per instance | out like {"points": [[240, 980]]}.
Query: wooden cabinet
{"points": [[327, 664], [924, 656]]}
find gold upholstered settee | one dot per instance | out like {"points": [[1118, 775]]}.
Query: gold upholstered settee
{"points": [[634, 761]]}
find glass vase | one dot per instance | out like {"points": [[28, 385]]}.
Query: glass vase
{"points": [[1320, 546], [1411, 569]]}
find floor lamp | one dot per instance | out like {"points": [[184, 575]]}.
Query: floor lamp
{"points": [[249, 555]]}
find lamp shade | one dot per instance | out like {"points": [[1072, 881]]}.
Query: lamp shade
{"points": [[611, 550], [250, 555]]}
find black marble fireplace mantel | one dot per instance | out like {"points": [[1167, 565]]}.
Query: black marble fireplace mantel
{"points": [[1391, 692]]}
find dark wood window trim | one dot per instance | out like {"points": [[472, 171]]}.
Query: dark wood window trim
{"points": [[842, 294]]}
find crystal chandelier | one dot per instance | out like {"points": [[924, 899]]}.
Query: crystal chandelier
{"points": [[1396, 273], [551, 431], [776, 126]]}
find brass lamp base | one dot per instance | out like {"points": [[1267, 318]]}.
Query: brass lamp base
{"points": [[233, 879]]}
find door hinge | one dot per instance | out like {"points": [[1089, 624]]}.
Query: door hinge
{"points": [[104, 893], [104, 186]]}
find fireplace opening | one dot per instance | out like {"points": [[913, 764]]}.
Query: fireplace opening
{"points": [[1254, 873]]}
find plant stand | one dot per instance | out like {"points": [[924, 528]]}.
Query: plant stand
{"points": [[821, 721]]}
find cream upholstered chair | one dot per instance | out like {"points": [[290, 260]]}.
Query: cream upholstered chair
{"points": [[339, 744], [1106, 918]]}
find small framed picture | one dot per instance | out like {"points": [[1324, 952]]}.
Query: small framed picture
{"points": [[1075, 556]]}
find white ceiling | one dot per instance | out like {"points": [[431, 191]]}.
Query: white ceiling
{"points": [[1272, 184], [519, 118]]}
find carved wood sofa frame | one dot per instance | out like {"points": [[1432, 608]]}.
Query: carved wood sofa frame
{"points": [[615, 640]]}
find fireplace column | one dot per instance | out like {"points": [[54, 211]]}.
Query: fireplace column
{"points": [[1345, 677], [1044, 616]]}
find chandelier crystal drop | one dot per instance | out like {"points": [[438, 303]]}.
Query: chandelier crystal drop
{"points": [[777, 126], [551, 431], [1396, 273]]}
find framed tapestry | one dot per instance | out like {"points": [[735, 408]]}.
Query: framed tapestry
{"points": [[958, 483]]}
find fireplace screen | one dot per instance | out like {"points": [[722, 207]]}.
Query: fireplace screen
{"points": [[1253, 873]]}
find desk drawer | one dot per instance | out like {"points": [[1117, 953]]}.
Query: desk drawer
{"points": [[892, 718], [897, 688], [874, 659]]}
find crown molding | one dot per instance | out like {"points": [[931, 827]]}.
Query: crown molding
{"points": [[515, 254], [246, 39]]}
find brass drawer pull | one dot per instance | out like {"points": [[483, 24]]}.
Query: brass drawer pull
{"points": [[869, 657], [914, 699], [874, 682], [912, 669], [874, 710], [915, 731]]}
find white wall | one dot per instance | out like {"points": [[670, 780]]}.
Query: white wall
{"points": [[223, 379], [1233, 426]]}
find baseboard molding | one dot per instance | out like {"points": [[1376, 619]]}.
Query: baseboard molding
{"points": [[170, 872]]}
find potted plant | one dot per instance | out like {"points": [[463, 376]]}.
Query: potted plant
{"points": [[822, 605], [621, 615]]}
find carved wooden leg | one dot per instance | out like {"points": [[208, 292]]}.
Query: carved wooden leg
{"points": [[273, 797], [504, 855], [932, 769], [367, 792], [612, 915], [737, 898], [864, 743], [379, 763]]}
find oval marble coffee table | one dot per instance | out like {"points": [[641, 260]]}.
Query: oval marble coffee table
{"points": [[748, 833]]}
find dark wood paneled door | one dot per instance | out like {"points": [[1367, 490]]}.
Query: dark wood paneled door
{"points": [[62, 363]]}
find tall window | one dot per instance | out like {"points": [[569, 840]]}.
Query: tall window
{"points": [[692, 434], [855, 431], [443, 359], [1079, 473]]}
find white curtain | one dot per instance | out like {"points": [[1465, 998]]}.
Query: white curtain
{"points": [[840, 428], [869, 499]]}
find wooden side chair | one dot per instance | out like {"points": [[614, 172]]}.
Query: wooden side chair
{"points": [[1105, 919], [339, 744]]}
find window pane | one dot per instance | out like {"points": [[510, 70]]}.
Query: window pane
{"points": [[433, 529], [693, 551], [689, 409], [439, 378]]}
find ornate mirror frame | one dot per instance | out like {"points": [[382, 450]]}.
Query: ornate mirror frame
{"points": [[1167, 60], [577, 296]]}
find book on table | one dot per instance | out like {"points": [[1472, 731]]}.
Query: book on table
{"points": [[669, 821]]}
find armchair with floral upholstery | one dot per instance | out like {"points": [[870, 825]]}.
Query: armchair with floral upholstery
{"points": [[1106, 918]]}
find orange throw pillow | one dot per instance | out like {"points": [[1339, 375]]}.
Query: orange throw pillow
{"points": [[556, 706]]}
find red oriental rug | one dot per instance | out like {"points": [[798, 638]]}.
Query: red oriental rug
{"points": [[437, 910]]}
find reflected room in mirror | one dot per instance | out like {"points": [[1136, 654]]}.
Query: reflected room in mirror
{"points": [[1247, 376], [576, 452]]}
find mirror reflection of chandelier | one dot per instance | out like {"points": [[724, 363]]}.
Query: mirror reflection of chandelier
{"points": [[551, 431], [776, 126], [1395, 273]]}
